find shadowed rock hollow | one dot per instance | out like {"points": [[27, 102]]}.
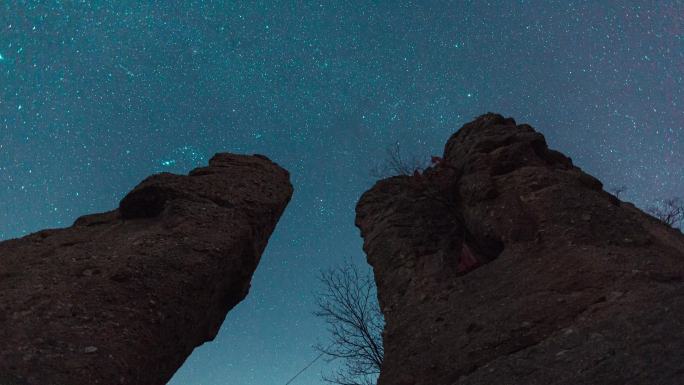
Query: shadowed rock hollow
{"points": [[506, 264], [123, 297]]}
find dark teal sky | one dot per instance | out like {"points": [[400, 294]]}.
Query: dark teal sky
{"points": [[96, 95]]}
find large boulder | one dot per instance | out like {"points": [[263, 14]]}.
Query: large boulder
{"points": [[123, 297], [506, 264]]}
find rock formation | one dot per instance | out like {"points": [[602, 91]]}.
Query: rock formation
{"points": [[123, 297], [506, 264]]}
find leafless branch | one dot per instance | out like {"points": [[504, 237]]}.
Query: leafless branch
{"points": [[348, 304], [396, 163], [670, 211], [618, 190]]}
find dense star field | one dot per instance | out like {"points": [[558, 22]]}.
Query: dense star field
{"points": [[97, 95]]}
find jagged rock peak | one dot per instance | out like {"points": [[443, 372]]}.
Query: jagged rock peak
{"points": [[506, 264], [123, 297]]}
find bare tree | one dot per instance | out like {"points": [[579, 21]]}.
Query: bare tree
{"points": [[618, 190], [396, 163], [670, 211], [348, 304]]}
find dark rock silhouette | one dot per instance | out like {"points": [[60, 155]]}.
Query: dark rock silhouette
{"points": [[123, 297], [506, 264]]}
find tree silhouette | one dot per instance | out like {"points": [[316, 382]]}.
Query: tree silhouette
{"points": [[670, 211], [348, 304], [396, 163], [618, 190]]}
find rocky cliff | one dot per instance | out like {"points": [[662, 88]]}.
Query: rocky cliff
{"points": [[123, 297], [506, 264]]}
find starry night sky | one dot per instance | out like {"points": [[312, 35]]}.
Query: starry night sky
{"points": [[97, 95]]}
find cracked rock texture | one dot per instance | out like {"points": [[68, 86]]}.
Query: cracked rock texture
{"points": [[506, 264], [123, 297]]}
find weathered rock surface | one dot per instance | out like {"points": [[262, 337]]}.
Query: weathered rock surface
{"points": [[506, 264], [123, 297]]}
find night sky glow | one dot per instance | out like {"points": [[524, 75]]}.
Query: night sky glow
{"points": [[97, 95]]}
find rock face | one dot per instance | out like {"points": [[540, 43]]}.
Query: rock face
{"points": [[506, 264], [123, 297]]}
